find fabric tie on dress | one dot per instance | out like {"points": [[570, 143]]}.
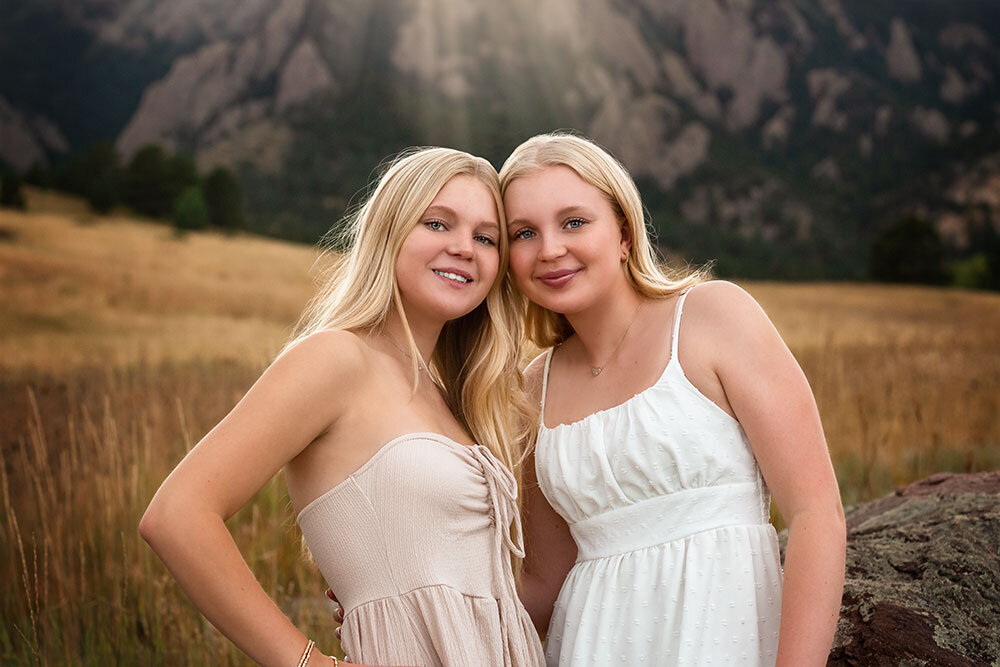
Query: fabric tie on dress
{"points": [[667, 518], [503, 498], [410, 542]]}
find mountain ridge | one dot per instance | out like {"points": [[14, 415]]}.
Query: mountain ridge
{"points": [[786, 132]]}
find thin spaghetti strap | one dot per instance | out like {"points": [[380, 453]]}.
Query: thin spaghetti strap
{"points": [[677, 324], [545, 385]]}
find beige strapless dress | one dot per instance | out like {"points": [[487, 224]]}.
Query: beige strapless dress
{"points": [[416, 545]]}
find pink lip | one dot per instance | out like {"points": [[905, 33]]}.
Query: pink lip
{"points": [[558, 278]]}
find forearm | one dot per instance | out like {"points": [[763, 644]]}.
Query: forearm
{"points": [[813, 586], [202, 556]]}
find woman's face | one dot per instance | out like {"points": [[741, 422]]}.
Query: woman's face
{"points": [[567, 243], [450, 259]]}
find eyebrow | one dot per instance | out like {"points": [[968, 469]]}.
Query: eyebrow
{"points": [[450, 212], [438, 208], [564, 211]]}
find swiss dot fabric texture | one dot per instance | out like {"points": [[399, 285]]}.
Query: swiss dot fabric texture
{"points": [[677, 564]]}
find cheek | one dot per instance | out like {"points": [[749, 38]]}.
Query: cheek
{"points": [[489, 267], [604, 250], [404, 266], [520, 265]]}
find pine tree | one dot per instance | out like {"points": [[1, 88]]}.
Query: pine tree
{"points": [[11, 195], [908, 251], [224, 199], [154, 180], [190, 211]]}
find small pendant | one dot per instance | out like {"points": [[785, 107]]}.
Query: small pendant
{"points": [[595, 370]]}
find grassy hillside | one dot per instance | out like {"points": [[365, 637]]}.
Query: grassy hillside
{"points": [[121, 344]]}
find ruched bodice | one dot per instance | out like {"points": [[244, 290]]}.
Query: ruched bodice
{"points": [[677, 563], [416, 543], [665, 439]]}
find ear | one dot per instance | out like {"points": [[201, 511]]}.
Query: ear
{"points": [[626, 242]]}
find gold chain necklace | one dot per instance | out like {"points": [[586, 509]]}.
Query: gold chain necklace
{"points": [[596, 370], [406, 355]]}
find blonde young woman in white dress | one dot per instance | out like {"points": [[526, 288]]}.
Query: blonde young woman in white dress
{"points": [[670, 411], [395, 415]]}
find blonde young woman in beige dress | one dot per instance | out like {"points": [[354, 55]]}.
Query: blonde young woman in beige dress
{"points": [[395, 415]]}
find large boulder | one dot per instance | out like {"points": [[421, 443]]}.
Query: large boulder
{"points": [[923, 576]]}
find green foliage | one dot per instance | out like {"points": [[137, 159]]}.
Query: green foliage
{"points": [[908, 251], [102, 184], [11, 195], [94, 174], [68, 174], [224, 199], [154, 180], [152, 184], [993, 264], [38, 176], [971, 273], [985, 237], [146, 188], [190, 209]]}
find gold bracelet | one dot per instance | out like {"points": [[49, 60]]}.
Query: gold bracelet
{"points": [[306, 653]]}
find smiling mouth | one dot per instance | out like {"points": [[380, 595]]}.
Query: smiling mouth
{"points": [[452, 276]]}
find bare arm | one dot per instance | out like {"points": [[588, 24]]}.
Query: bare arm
{"points": [[770, 396], [549, 547], [296, 399]]}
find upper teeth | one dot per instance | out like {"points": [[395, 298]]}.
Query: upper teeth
{"points": [[452, 276]]}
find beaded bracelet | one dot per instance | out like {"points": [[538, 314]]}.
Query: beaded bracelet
{"points": [[306, 653], [310, 645]]}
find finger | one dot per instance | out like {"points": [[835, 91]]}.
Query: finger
{"points": [[340, 614], [336, 631]]}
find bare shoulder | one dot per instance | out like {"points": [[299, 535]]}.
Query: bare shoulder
{"points": [[723, 308], [323, 361], [332, 348], [719, 296], [723, 321]]}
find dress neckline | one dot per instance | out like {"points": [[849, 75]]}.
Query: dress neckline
{"points": [[429, 436], [673, 360], [604, 411]]}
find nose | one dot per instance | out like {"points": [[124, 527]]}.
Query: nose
{"points": [[551, 247], [460, 245]]}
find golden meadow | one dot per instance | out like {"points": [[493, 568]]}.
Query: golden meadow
{"points": [[121, 344]]}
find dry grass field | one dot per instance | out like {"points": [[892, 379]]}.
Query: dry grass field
{"points": [[121, 344]]}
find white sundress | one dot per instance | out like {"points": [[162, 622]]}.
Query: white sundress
{"points": [[677, 562]]}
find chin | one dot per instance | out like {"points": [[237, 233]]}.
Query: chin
{"points": [[564, 305], [454, 311]]}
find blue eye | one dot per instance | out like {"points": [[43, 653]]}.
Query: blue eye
{"points": [[434, 225], [575, 223], [522, 234], [485, 240]]}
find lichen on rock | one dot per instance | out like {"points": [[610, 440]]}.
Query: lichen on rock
{"points": [[922, 583]]}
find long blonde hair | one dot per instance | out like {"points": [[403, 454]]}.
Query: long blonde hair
{"points": [[476, 359], [596, 166]]}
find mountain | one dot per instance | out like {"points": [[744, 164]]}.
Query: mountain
{"points": [[776, 135]]}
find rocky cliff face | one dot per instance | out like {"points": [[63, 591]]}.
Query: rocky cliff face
{"points": [[27, 139], [922, 585], [827, 107]]}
